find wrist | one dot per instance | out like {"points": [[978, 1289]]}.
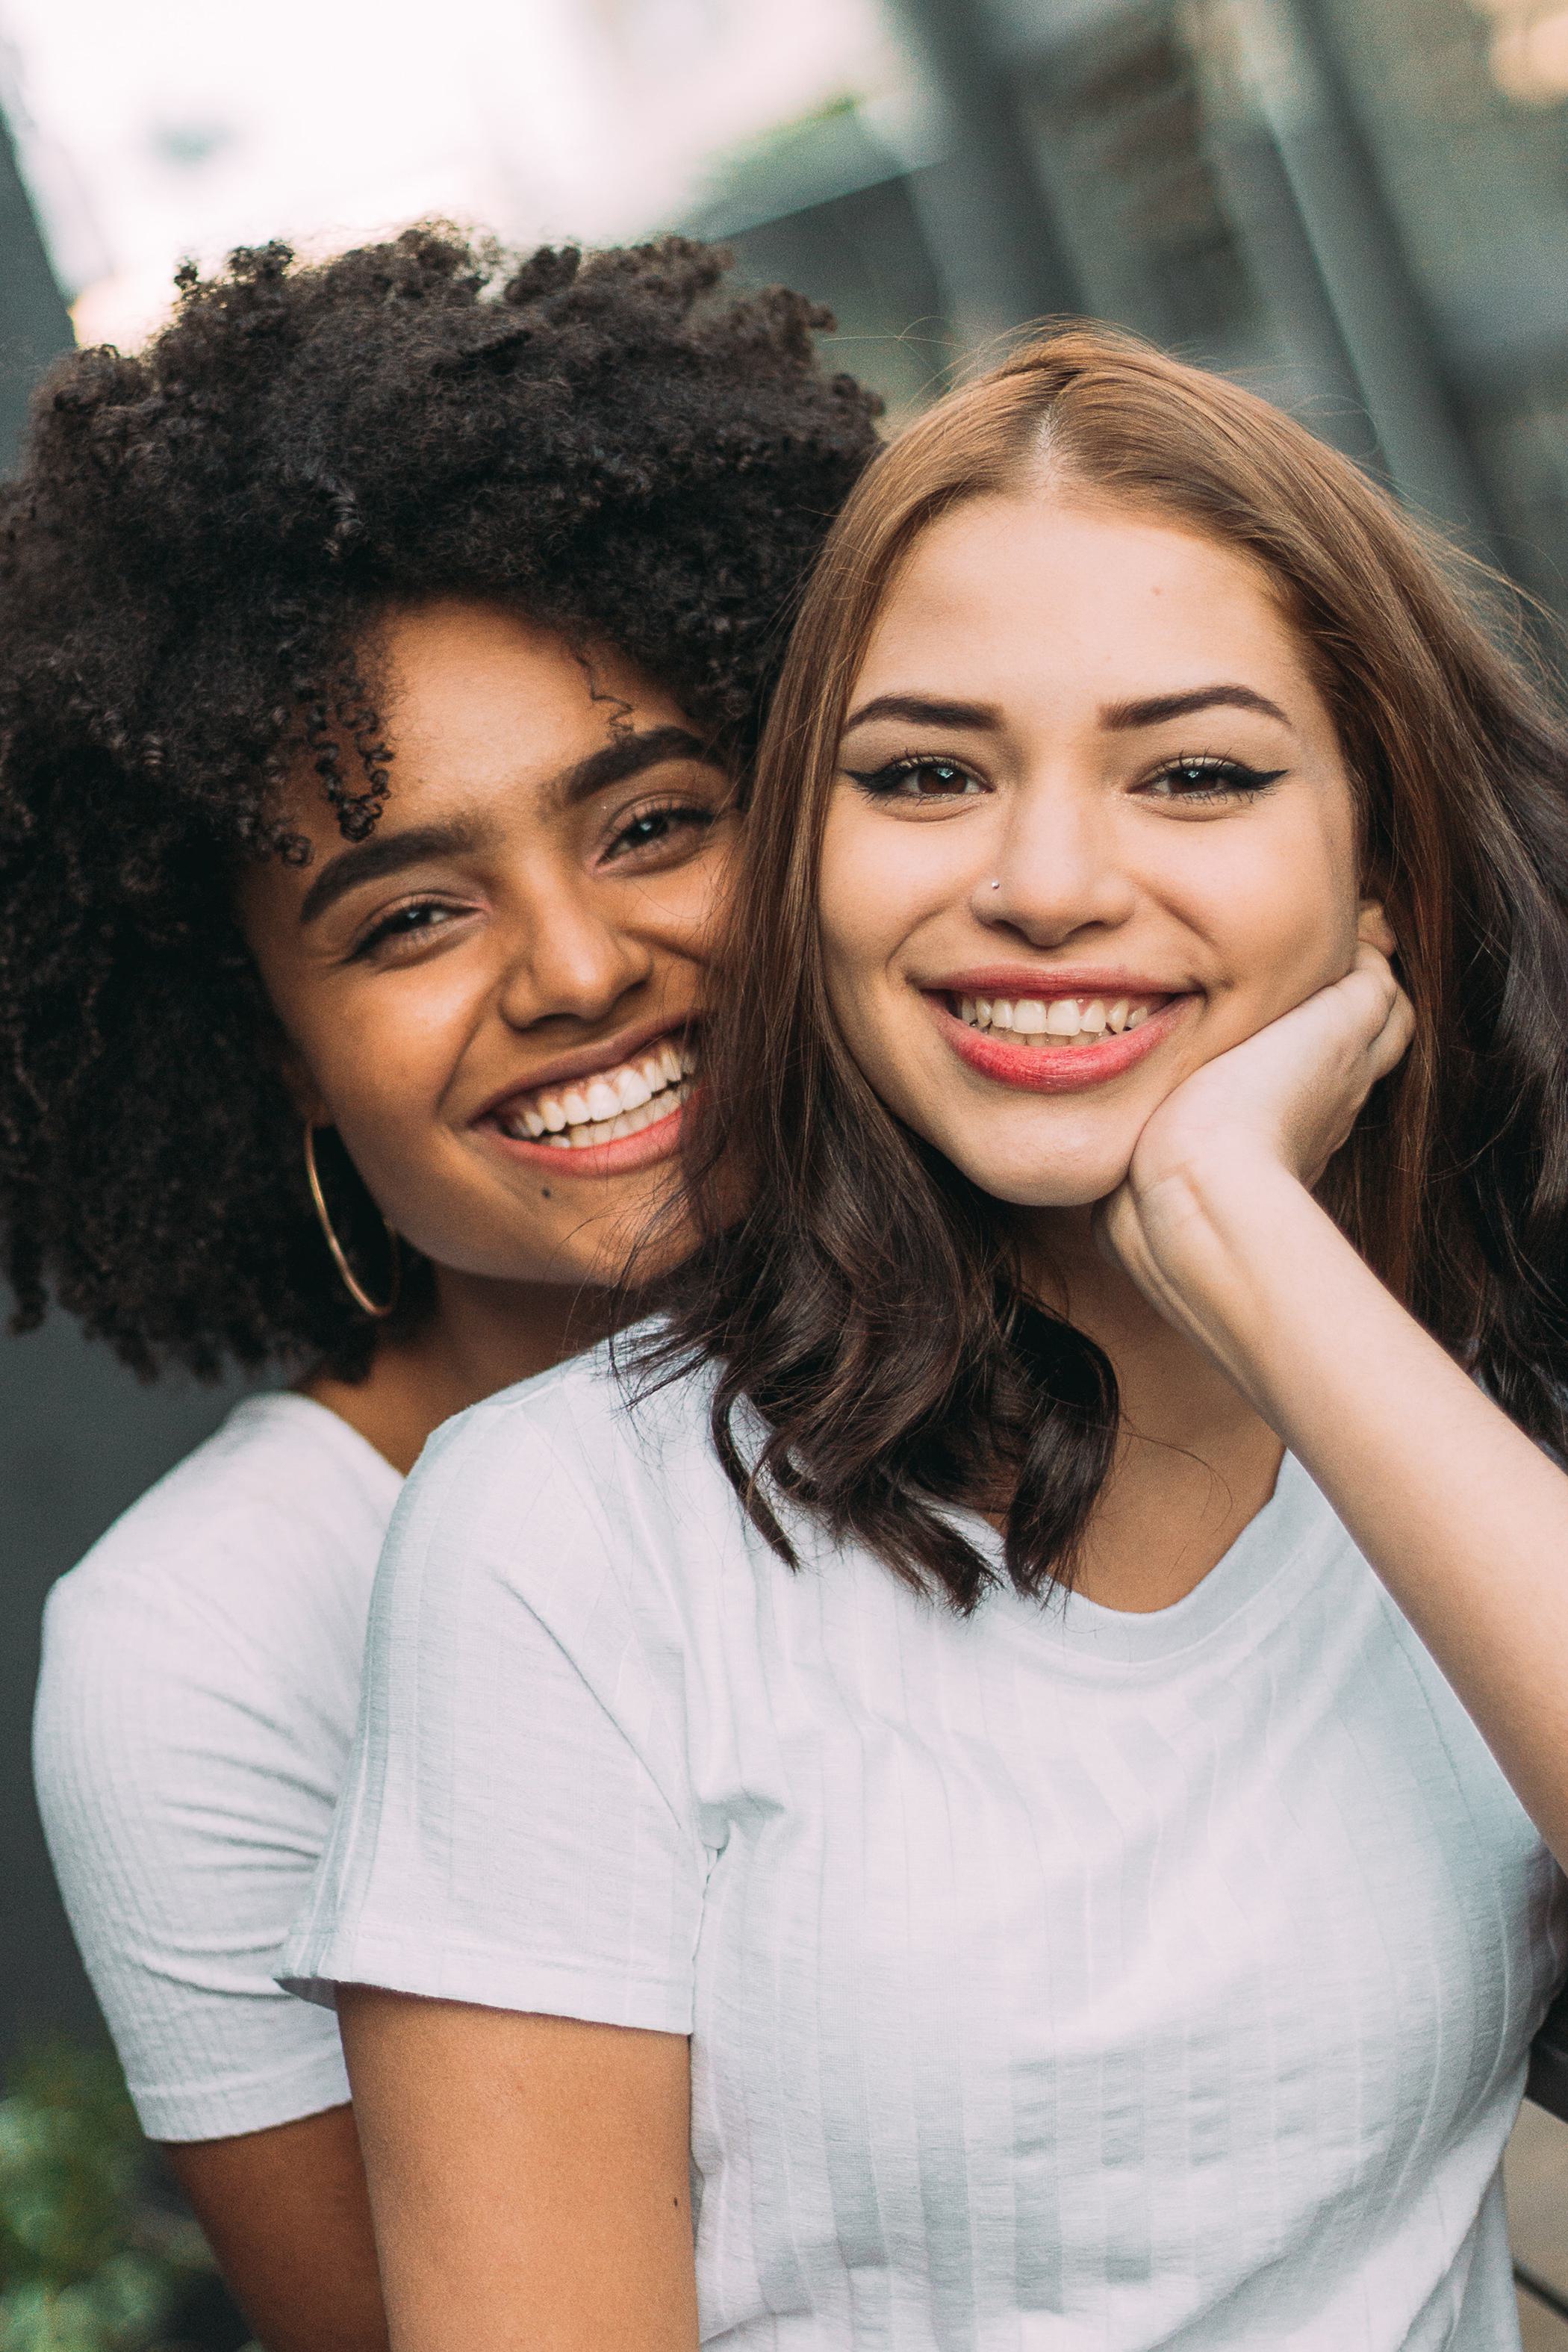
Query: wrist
{"points": [[1226, 1246], [1212, 1211], [1238, 1195]]}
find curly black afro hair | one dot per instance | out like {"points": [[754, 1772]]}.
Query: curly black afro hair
{"points": [[191, 561]]}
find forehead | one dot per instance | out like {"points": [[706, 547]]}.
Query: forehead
{"points": [[481, 706], [1016, 594]]}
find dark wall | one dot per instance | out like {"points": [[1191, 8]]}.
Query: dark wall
{"points": [[79, 1438]]}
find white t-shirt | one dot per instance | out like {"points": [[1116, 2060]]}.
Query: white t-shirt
{"points": [[1056, 1978], [200, 1682]]}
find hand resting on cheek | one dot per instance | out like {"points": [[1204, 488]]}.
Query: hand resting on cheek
{"points": [[1280, 1104]]}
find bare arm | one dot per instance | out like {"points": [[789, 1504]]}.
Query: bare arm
{"points": [[286, 2215], [1464, 1518], [529, 2177]]}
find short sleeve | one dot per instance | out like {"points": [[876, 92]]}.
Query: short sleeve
{"points": [[517, 1829], [185, 1807]]}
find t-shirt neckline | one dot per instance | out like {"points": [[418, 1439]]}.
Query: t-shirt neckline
{"points": [[1083, 1630]]}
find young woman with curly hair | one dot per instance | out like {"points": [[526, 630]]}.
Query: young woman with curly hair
{"points": [[379, 652], [1031, 1756]]}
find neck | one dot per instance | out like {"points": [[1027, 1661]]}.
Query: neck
{"points": [[481, 1337], [1193, 1462]]}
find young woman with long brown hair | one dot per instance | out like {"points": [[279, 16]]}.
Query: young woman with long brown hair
{"points": [[1032, 1754]]}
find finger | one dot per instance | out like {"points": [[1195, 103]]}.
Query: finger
{"points": [[1369, 991], [1373, 960], [1374, 928], [1388, 1048], [1376, 1017]]}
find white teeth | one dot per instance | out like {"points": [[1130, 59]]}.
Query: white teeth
{"points": [[612, 1103], [580, 1133], [1061, 1020]]}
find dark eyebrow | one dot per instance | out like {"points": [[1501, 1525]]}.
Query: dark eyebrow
{"points": [[1153, 710], [383, 853], [628, 755], [924, 710], [389, 852]]}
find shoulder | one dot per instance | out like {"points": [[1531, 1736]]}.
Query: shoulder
{"points": [[572, 1497], [258, 1549], [528, 1679], [577, 1447], [196, 1709]]}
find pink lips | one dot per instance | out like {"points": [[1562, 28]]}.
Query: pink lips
{"points": [[620, 1157], [1056, 1070]]}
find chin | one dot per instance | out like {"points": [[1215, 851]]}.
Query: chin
{"points": [[1042, 1182]]}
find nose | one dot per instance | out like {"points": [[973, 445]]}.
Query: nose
{"points": [[1055, 870], [571, 960]]}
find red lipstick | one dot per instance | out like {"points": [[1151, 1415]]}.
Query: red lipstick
{"points": [[1045, 1067]]}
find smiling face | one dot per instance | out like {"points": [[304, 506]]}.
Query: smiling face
{"points": [[491, 997], [1092, 828]]}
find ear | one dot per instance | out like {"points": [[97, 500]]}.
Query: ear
{"points": [[1374, 929]]}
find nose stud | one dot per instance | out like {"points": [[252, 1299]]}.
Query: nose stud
{"points": [[996, 885]]}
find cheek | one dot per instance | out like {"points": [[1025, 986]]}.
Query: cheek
{"points": [[1278, 908], [681, 910], [394, 1049], [855, 926], [845, 903], [879, 881], [382, 1057]]}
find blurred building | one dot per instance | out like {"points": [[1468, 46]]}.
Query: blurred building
{"points": [[1362, 204]]}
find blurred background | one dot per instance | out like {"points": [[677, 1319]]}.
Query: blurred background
{"points": [[1362, 206]]}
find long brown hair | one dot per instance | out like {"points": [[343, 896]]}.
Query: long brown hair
{"points": [[876, 1359]]}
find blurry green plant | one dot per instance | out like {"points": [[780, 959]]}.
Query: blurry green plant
{"points": [[89, 2260]]}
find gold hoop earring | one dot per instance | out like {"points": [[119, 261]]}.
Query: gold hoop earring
{"points": [[355, 1288]]}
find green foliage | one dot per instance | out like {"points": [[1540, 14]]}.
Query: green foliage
{"points": [[89, 2261]]}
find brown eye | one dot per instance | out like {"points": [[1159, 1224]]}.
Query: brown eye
{"points": [[1206, 778], [675, 821], [916, 780], [413, 921]]}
